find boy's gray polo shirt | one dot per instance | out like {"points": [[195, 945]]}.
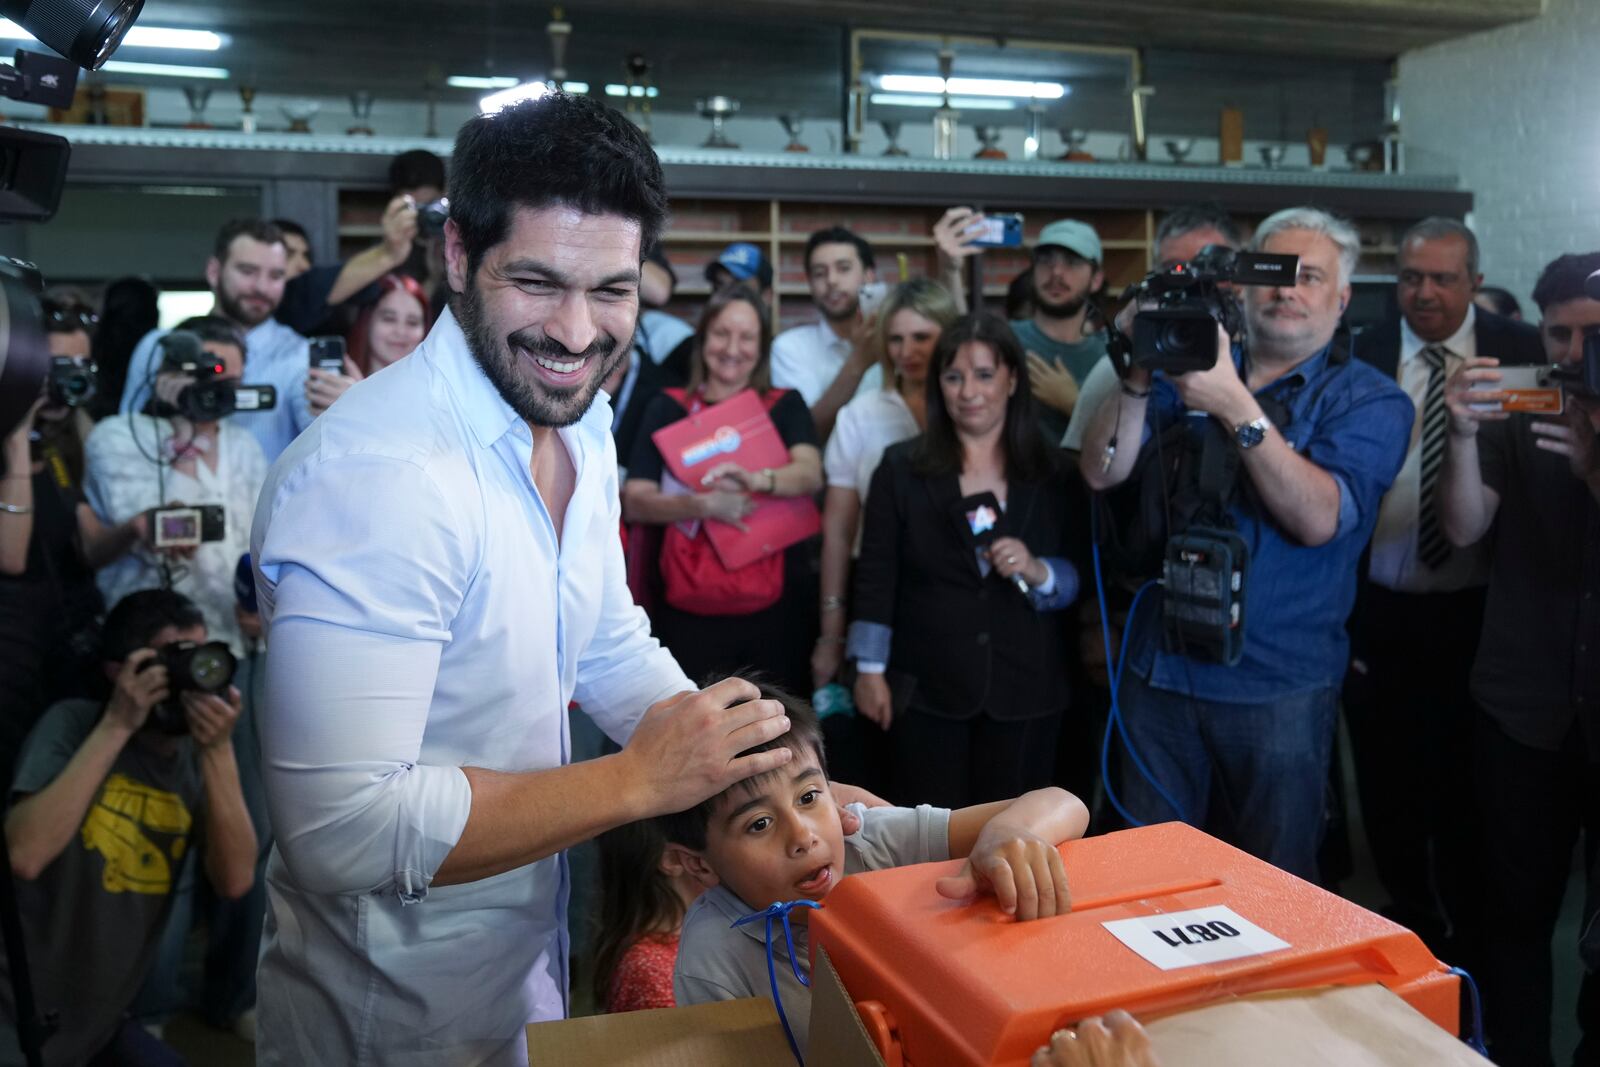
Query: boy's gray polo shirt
{"points": [[718, 961]]}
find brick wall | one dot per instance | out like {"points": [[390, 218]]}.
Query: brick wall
{"points": [[1516, 113]]}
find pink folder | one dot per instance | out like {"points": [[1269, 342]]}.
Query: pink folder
{"points": [[739, 430]]}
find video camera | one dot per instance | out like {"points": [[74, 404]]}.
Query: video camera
{"points": [[191, 668], [210, 396], [1175, 330], [73, 382]]}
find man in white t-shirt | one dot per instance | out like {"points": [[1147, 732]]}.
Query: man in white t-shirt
{"points": [[828, 361]]}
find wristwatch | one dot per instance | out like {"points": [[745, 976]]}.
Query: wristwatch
{"points": [[1252, 433]]}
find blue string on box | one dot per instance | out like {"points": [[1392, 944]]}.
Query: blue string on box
{"points": [[1475, 1036], [780, 911]]}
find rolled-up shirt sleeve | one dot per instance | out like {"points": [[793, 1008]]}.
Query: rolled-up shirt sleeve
{"points": [[364, 565]]}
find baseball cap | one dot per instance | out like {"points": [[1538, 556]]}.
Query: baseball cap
{"points": [[1072, 235], [744, 261]]}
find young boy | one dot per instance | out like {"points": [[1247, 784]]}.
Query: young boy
{"points": [[777, 837]]}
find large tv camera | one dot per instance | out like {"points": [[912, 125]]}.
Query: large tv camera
{"points": [[210, 396], [1175, 330]]}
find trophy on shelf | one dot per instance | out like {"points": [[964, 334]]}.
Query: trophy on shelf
{"points": [[719, 109], [891, 130], [300, 113], [1179, 148], [1272, 155], [989, 139], [559, 30], [1361, 156], [792, 125], [945, 118], [247, 117], [636, 69], [1075, 140], [361, 107], [198, 97]]}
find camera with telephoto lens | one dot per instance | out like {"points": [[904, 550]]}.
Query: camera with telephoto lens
{"points": [[432, 216], [72, 382], [210, 396], [192, 667], [1175, 330]]}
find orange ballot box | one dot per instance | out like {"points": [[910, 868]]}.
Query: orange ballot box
{"points": [[1164, 918]]}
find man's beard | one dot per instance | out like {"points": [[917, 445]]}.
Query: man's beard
{"points": [[234, 311], [1066, 309], [536, 404], [849, 312]]}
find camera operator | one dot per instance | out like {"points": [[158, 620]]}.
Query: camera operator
{"points": [[50, 541], [1532, 484], [1258, 734], [140, 462], [107, 801], [246, 273]]}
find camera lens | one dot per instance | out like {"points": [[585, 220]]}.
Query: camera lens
{"points": [[211, 667], [1186, 337]]}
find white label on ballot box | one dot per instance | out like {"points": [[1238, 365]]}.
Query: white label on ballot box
{"points": [[1186, 938]]}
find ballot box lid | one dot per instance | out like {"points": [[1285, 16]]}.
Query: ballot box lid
{"points": [[1164, 918]]}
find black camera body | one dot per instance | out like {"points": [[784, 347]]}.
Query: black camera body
{"points": [[210, 396], [1176, 330], [432, 216], [191, 668], [1584, 379], [72, 382]]}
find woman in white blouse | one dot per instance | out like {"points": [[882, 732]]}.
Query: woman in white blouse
{"points": [[913, 316]]}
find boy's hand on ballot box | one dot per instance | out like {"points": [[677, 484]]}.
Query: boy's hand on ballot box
{"points": [[1019, 867]]}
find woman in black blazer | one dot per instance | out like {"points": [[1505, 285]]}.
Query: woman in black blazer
{"points": [[959, 639]]}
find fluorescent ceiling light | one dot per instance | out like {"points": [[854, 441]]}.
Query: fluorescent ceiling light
{"points": [[638, 90], [575, 87], [960, 103], [141, 37], [165, 70], [473, 81], [514, 95], [926, 83]]}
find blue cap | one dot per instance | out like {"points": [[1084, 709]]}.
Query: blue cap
{"points": [[744, 261]]}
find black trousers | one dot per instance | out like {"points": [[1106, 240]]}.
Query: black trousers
{"points": [[1411, 730], [955, 763], [1535, 804]]}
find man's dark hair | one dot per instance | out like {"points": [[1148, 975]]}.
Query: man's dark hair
{"points": [[261, 230], [414, 169], [1504, 303], [688, 828], [1562, 279], [138, 617], [838, 235], [290, 226], [216, 329], [1439, 227], [1206, 216], [559, 149], [938, 451]]}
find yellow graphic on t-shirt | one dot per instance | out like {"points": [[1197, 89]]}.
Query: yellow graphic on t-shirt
{"points": [[116, 829]]}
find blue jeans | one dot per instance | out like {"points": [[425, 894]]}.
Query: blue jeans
{"points": [[1255, 775]]}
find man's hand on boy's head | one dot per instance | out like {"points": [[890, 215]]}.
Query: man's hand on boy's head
{"points": [[1019, 867]]}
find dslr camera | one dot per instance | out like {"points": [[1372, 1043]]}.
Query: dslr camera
{"points": [[72, 382], [432, 216], [191, 668], [1176, 329], [210, 396]]}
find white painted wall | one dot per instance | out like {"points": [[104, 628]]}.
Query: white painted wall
{"points": [[1516, 113]]}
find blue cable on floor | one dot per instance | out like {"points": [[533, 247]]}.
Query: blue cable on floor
{"points": [[1476, 1041], [781, 911], [1114, 679]]}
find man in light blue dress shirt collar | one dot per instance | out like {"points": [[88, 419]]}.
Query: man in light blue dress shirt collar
{"points": [[246, 272], [439, 562]]}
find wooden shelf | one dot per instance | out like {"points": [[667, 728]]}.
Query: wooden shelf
{"points": [[360, 229], [713, 237]]}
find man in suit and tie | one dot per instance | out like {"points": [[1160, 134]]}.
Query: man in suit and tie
{"points": [[1415, 630]]}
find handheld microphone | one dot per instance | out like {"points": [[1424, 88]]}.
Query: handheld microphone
{"points": [[980, 518], [244, 585]]}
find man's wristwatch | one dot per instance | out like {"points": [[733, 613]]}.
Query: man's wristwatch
{"points": [[1249, 434]]}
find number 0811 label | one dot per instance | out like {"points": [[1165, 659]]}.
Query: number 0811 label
{"points": [[1187, 938]]}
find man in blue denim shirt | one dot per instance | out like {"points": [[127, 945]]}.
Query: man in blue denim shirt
{"points": [[1257, 737]]}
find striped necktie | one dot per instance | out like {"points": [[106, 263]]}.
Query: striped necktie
{"points": [[1432, 548]]}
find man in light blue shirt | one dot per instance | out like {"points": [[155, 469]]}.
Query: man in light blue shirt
{"points": [[439, 564], [246, 272]]}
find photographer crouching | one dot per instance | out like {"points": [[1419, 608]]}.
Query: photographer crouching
{"points": [[1258, 483], [106, 803]]}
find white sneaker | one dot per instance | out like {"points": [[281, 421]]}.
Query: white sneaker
{"points": [[244, 1027]]}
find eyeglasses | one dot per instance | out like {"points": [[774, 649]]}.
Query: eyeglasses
{"points": [[69, 316]]}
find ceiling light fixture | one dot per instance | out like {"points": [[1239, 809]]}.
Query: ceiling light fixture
{"points": [[141, 37], [474, 81], [514, 95], [166, 70], [615, 89], [932, 83], [960, 103]]}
